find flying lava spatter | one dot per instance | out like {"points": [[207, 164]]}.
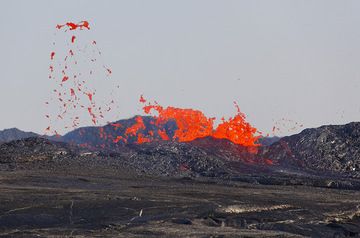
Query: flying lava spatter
{"points": [[73, 70], [285, 125]]}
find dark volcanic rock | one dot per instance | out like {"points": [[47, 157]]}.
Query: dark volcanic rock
{"points": [[266, 141], [174, 158], [314, 157], [204, 188], [103, 137], [33, 148], [327, 148], [39, 203], [163, 158], [207, 157], [15, 134]]}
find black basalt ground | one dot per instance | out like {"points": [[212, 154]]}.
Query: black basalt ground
{"points": [[207, 188], [327, 148], [119, 203]]}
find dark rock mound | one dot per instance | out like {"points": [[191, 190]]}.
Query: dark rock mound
{"points": [[103, 137], [174, 158], [32, 149], [327, 148], [266, 141], [15, 134]]}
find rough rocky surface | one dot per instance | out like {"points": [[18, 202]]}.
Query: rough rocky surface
{"points": [[205, 188], [114, 202], [333, 148], [206, 157], [266, 141], [328, 148], [14, 134], [165, 158], [94, 136]]}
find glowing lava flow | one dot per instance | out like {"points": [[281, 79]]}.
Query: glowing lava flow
{"points": [[192, 124]]}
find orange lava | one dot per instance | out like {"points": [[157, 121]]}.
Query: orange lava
{"points": [[133, 130], [93, 116], [237, 130], [192, 124], [73, 26], [90, 95], [119, 138], [142, 100], [142, 139], [75, 92], [65, 78], [163, 135]]}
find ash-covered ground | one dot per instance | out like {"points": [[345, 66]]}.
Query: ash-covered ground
{"points": [[305, 185], [100, 202]]}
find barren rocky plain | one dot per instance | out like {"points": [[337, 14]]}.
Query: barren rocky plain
{"points": [[171, 189]]}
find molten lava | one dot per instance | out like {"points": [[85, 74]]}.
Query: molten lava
{"points": [[73, 26], [74, 92], [190, 125], [237, 130], [134, 129]]}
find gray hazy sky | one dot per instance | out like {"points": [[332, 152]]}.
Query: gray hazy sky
{"points": [[298, 60]]}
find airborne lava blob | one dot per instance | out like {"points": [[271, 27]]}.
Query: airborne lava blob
{"points": [[285, 125], [74, 69]]}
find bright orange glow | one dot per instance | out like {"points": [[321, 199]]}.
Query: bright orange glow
{"points": [[133, 130], [237, 130], [142, 139], [73, 26], [120, 138], [163, 135], [192, 124], [74, 92], [167, 123]]}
